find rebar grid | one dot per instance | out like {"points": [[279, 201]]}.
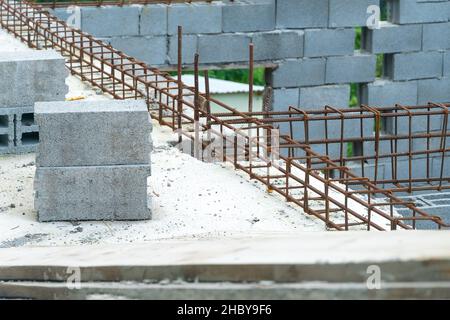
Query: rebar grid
{"points": [[97, 3], [376, 137], [304, 177]]}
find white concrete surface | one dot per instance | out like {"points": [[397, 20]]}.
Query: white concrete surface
{"points": [[280, 248]]}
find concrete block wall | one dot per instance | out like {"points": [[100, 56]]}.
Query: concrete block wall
{"points": [[312, 44], [26, 77], [93, 160]]}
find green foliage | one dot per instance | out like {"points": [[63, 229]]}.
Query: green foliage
{"points": [[380, 63], [349, 149], [236, 75], [354, 95], [358, 38], [239, 75]]}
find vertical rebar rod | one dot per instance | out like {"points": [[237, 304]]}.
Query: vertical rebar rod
{"points": [[250, 79], [180, 83], [196, 108]]}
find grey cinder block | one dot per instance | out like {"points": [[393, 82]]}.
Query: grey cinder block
{"points": [[432, 144], [350, 13], [195, 18], [280, 44], [329, 42], [318, 131], [240, 16], [283, 98], [413, 11], [436, 166], [414, 65], [383, 93], [392, 38], [419, 123], [367, 170], [92, 193], [317, 97], [26, 130], [6, 130], [436, 36], [223, 48], [447, 63], [110, 21], [434, 90], [32, 76], [418, 168], [60, 13], [291, 73], [96, 133], [302, 14], [351, 69], [189, 48], [153, 20], [152, 50]]}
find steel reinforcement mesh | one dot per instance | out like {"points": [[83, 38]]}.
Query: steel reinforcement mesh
{"points": [[281, 150]]}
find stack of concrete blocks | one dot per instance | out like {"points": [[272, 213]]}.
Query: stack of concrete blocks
{"points": [[27, 77], [93, 160]]}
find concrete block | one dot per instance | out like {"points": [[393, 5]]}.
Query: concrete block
{"points": [[110, 21], [367, 170], [26, 130], [93, 133], [350, 13], [61, 13], [195, 18], [240, 16], [414, 65], [6, 130], [418, 125], [189, 49], [283, 98], [223, 48], [32, 76], [153, 20], [418, 169], [436, 167], [318, 131], [92, 193], [385, 148], [351, 69], [447, 63], [291, 73], [413, 11], [436, 36], [329, 42], [333, 151], [317, 97], [391, 38], [152, 50], [383, 93], [302, 14], [434, 90], [431, 144], [278, 45]]}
